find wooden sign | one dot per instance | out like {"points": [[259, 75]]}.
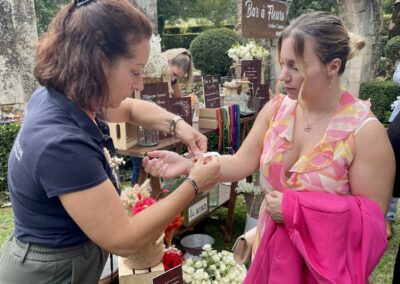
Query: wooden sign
{"points": [[211, 91], [156, 93], [263, 18], [182, 107], [172, 276], [252, 70], [261, 95]]}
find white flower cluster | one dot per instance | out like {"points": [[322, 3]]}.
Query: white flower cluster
{"points": [[114, 162], [395, 103], [129, 195], [213, 267], [157, 63], [250, 51], [245, 187]]}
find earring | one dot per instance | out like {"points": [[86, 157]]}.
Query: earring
{"points": [[330, 86]]}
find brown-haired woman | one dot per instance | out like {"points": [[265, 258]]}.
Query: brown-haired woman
{"points": [[65, 200], [322, 220]]}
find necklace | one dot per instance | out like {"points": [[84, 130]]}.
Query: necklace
{"points": [[309, 125]]}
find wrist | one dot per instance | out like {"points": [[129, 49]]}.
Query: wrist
{"points": [[173, 124]]}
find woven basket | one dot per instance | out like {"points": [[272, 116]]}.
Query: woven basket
{"points": [[254, 210], [148, 256]]}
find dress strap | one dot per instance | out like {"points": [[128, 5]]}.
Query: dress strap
{"points": [[368, 119]]}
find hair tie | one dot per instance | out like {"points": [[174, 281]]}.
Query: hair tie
{"points": [[79, 3]]}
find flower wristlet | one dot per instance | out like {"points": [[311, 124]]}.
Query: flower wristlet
{"points": [[194, 184]]}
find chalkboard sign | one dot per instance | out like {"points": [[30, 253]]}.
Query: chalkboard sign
{"points": [[182, 107], [263, 18], [261, 95], [211, 91], [252, 70], [156, 93]]}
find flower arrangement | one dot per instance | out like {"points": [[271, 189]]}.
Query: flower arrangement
{"points": [[245, 187], [213, 267], [137, 198], [172, 257], [157, 64], [251, 51]]}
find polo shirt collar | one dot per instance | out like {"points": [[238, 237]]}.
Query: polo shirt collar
{"points": [[78, 115]]}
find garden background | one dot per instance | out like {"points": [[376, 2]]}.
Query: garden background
{"points": [[180, 22]]}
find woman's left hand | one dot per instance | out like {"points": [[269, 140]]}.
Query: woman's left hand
{"points": [[196, 141], [274, 206]]}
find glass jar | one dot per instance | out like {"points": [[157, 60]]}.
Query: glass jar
{"points": [[147, 137]]}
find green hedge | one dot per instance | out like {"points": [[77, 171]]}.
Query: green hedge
{"points": [[177, 40], [8, 132], [392, 49], [382, 95], [209, 50]]}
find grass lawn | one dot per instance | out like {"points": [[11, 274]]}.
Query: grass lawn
{"points": [[212, 226]]}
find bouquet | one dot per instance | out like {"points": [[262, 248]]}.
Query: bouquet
{"points": [[157, 64], [251, 51], [213, 267], [136, 199]]}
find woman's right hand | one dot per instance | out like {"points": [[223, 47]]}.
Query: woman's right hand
{"points": [[205, 172]]}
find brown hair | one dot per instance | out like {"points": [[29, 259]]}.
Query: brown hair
{"points": [[329, 34], [70, 56]]}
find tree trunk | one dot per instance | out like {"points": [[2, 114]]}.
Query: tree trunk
{"points": [[364, 18]]}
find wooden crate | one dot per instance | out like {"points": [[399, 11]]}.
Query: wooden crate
{"points": [[124, 135], [197, 209], [129, 276], [208, 118]]}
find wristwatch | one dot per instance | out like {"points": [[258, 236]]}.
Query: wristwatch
{"points": [[172, 124]]}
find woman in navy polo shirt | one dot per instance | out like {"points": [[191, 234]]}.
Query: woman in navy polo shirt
{"points": [[65, 200]]}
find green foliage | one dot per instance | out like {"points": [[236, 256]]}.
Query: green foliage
{"points": [[388, 6], [386, 21], [172, 30], [392, 49], [8, 132], [299, 7], [383, 68], [209, 50], [382, 95], [45, 11], [177, 40]]}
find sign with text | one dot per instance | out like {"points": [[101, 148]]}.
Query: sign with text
{"points": [[211, 91], [197, 209], [261, 95], [157, 93], [182, 107], [172, 276], [252, 70], [263, 18]]}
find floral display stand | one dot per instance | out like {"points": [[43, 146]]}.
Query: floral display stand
{"points": [[145, 276]]}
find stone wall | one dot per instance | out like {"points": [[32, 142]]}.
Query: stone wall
{"points": [[18, 34], [149, 7]]}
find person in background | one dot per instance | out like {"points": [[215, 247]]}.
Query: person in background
{"points": [[313, 149], [180, 68], [67, 211]]}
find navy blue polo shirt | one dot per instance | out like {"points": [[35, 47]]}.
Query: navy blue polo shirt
{"points": [[58, 150]]}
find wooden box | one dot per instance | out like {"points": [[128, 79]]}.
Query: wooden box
{"points": [[208, 123], [124, 135], [197, 209], [208, 113], [129, 276]]}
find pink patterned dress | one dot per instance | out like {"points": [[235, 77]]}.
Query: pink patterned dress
{"points": [[325, 168]]}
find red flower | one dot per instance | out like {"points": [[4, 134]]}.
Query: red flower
{"points": [[172, 257]]}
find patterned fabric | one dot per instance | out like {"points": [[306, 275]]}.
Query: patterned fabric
{"points": [[323, 168]]}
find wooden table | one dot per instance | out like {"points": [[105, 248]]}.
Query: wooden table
{"points": [[174, 143]]}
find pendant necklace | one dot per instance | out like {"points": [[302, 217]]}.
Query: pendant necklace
{"points": [[309, 125]]}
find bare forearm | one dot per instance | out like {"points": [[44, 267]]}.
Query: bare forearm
{"points": [[233, 168]]}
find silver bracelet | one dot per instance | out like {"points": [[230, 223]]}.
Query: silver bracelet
{"points": [[172, 124], [194, 184]]}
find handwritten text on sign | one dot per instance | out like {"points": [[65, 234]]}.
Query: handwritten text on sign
{"points": [[197, 209], [263, 18], [211, 91]]}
